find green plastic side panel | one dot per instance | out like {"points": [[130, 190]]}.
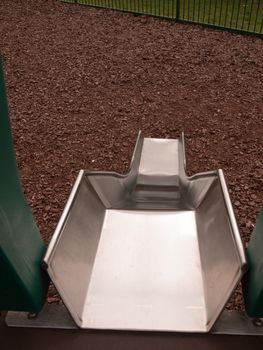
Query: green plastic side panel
{"points": [[253, 281], [23, 284]]}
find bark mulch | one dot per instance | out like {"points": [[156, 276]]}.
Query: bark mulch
{"points": [[82, 82]]}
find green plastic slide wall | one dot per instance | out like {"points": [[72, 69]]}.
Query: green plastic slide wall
{"points": [[23, 285], [253, 281]]}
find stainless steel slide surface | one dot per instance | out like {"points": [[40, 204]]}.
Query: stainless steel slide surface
{"points": [[151, 250]]}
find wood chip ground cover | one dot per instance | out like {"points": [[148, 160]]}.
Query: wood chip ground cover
{"points": [[82, 82]]}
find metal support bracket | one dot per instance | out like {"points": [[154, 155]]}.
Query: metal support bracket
{"points": [[56, 316]]}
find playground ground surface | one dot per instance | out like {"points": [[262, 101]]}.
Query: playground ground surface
{"points": [[82, 82]]}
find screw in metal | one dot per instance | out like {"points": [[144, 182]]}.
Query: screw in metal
{"points": [[32, 315], [258, 322]]}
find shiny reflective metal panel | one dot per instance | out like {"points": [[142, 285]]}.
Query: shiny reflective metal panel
{"points": [[151, 250]]}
